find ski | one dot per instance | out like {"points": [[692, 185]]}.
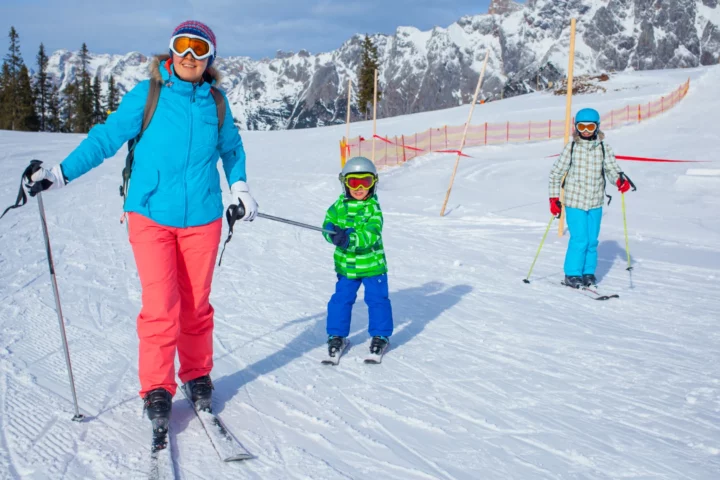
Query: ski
{"points": [[161, 462], [225, 444], [591, 292], [376, 358], [334, 358]]}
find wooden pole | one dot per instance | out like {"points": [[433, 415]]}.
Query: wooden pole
{"points": [[374, 117], [348, 110], [568, 114], [467, 125]]}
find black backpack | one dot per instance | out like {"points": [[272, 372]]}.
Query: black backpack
{"points": [[150, 106]]}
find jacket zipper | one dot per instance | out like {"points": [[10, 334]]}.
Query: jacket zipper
{"points": [[187, 157]]}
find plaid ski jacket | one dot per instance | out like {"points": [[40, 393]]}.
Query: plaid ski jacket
{"points": [[584, 184], [365, 256]]}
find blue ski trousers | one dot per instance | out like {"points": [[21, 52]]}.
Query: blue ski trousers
{"points": [[377, 298], [584, 226]]}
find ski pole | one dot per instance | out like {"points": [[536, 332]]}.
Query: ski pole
{"points": [[624, 212], [22, 200], [297, 224], [78, 417], [527, 280]]}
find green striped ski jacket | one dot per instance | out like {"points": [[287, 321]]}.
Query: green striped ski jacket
{"points": [[365, 255]]}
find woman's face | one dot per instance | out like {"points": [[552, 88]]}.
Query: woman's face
{"points": [[188, 68]]}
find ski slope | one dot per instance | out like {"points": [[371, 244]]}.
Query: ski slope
{"points": [[486, 377]]}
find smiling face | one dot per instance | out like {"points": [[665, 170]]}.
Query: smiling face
{"points": [[360, 194], [188, 68]]}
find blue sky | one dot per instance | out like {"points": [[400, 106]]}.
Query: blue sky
{"points": [[253, 28]]}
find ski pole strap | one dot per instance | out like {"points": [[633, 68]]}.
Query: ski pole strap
{"points": [[623, 176], [232, 214], [22, 196]]}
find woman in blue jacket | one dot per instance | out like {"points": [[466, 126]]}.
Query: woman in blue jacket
{"points": [[174, 206]]}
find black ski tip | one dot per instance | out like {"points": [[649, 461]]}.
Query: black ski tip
{"points": [[238, 458], [371, 362], [78, 418], [328, 362], [525, 280]]}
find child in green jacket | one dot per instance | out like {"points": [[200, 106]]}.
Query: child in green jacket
{"points": [[357, 221]]}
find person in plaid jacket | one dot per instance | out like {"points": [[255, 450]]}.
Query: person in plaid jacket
{"points": [[357, 220], [584, 165]]}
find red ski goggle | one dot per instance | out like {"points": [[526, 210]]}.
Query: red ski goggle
{"points": [[356, 181]]}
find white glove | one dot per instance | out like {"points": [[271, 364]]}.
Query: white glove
{"points": [[44, 179], [241, 191]]}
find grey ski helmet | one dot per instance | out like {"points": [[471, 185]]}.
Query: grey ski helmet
{"points": [[358, 165]]}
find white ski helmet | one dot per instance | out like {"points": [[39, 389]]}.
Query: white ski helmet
{"points": [[358, 165]]}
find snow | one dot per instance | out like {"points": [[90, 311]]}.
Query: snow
{"points": [[486, 377]]}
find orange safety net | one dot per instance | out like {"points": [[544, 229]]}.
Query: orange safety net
{"points": [[398, 149]]}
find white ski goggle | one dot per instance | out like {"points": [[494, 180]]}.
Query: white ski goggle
{"points": [[197, 46]]}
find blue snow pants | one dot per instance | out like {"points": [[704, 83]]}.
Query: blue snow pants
{"points": [[584, 226], [377, 298]]}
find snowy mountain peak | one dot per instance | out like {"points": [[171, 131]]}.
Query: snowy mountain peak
{"points": [[438, 68]]}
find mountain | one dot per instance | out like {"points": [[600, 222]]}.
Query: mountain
{"points": [[429, 70]]}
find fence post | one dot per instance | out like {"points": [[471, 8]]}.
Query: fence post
{"points": [[627, 116], [430, 132], [662, 103], [549, 128], [612, 118], [507, 139], [639, 114], [529, 129], [486, 130], [446, 144], [403, 149]]}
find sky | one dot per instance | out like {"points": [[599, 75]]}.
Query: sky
{"points": [[256, 28]]}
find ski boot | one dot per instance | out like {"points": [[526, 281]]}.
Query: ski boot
{"points": [[378, 345], [573, 281], [589, 280], [336, 345], [200, 391], [158, 404]]}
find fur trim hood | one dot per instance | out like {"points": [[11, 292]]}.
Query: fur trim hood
{"points": [[211, 75], [600, 136]]}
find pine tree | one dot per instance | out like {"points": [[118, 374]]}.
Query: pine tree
{"points": [[5, 93], [98, 112], [27, 119], [366, 76], [54, 113], [42, 87], [12, 78], [83, 117], [113, 95], [69, 121]]}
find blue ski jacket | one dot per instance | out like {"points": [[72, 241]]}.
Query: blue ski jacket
{"points": [[175, 180]]}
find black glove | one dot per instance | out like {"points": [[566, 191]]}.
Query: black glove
{"points": [[341, 238]]}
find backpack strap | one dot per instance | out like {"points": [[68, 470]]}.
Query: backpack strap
{"points": [[219, 104], [572, 149], [602, 172], [151, 103]]}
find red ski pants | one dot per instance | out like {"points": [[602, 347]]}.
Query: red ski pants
{"points": [[175, 266]]}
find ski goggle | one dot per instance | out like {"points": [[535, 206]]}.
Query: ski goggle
{"points": [[589, 127], [365, 180], [197, 46]]}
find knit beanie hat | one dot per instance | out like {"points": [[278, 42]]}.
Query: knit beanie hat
{"points": [[201, 30]]}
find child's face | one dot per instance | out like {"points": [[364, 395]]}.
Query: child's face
{"points": [[360, 194]]}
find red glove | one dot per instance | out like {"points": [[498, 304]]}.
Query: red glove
{"points": [[623, 185], [555, 206]]}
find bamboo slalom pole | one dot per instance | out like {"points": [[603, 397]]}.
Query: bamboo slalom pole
{"points": [[374, 117], [568, 116], [467, 125]]}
